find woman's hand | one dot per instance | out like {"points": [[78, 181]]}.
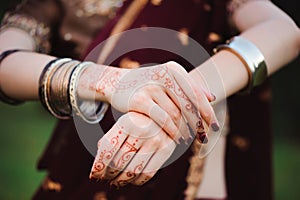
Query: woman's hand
{"points": [[164, 92], [132, 151]]}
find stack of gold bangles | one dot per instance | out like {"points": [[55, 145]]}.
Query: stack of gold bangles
{"points": [[58, 91]]}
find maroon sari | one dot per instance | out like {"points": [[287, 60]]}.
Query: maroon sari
{"points": [[248, 153]]}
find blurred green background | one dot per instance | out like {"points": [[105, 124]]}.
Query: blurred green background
{"points": [[25, 130]]}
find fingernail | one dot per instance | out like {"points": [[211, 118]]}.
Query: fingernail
{"points": [[113, 185], [189, 140], [202, 137], [92, 176], [186, 142], [215, 127], [199, 123], [213, 97], [178, 140]]}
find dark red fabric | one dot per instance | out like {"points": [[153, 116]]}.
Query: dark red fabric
{"points": [[248, 170]]}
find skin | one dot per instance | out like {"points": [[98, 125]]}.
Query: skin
{"points": [[270, 29]]}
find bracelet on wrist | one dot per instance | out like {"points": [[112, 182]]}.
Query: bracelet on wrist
{"points": [[3, 97], [45, 87], [251, 57], [58, 91], [88, 110]]}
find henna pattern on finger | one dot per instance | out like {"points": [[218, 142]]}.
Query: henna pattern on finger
{"points": [[144, 181], [201, 135], [128, 154], [130, 175], [128, 151], [99, 164]]}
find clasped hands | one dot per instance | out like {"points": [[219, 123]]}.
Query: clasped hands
{"points": [[159, 102]]}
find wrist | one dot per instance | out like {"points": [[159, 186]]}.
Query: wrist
{"points": [[99, 82]]}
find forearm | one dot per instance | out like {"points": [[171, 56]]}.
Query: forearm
{"points": [[20, 71], [278, 38]]}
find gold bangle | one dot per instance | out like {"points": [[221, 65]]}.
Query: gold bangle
{"points": [[251, 57], [44, 84], [58, 89]]}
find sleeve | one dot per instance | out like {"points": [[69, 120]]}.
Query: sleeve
{"points": [[39, 18]]}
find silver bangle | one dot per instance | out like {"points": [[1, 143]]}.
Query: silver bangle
{"points": [[90, 111], [252, 58]]}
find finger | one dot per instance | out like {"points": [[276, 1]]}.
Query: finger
{"points": [[164, 101], [184, 130], [107, 148], [137, 164], [192, 93], [176, 94], [210, 96], [188, 109], [157, 114], [201, 134], [123, 157], [157, 160]]}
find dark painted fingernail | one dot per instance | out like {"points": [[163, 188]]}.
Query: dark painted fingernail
{"points": [[199, 124], [189, 140], [215, 127], [180, 140], [202, 137]]}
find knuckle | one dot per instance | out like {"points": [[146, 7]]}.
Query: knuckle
{"points": [[206, 114], [148, 176], [139, 99], [144, 177], [129, 175], [152, 90], [175, 66], [154, 141], [176, 115]]}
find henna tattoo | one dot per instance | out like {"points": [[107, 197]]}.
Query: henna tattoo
{"points": [[121, 183], [128, 154], [162, 73], [130, 175], [139, 167], [144, 181], [201, 135], [99, 164], [111, 81], [128, 151]]}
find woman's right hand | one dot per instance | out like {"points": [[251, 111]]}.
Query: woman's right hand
{"points": [[132, 151], [163, 92]]}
